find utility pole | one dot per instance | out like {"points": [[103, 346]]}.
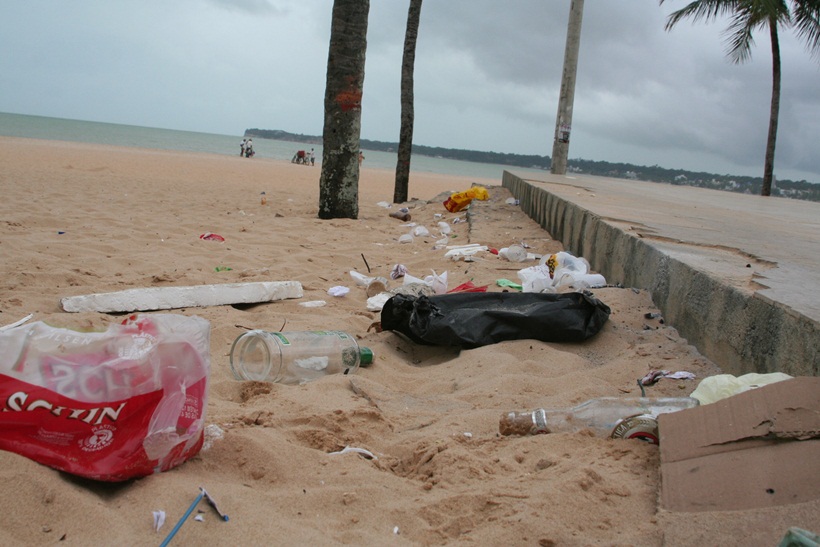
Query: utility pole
{"points": [[563, 121]]}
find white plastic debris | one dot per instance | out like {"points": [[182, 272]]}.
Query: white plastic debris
{"points": [[159, 520], [165, 298], [338, 290], [352, 449], [313, 304], [17, 323], [420, 231], [456, 252], [211, 433]]}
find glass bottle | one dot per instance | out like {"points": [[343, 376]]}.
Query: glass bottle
{"points": [[616, 417], [296, 357]]}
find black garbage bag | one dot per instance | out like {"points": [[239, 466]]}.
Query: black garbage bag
{"points": [[473, 319]]}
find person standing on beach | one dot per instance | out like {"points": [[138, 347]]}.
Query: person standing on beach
{"points": [[249, 148], [312, 158], [361, 157], [242, 147]]}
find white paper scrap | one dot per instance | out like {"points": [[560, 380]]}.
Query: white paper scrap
{"points": [[159, 520]]}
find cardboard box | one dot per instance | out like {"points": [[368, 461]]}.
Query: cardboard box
{"points": [[756, 449]]}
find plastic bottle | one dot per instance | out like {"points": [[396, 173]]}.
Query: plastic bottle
{"points": [[296, 357], [616, 417]]}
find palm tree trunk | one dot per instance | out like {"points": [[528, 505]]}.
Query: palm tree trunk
{"points": [[768, 167], [339, 183], [400, 190]]}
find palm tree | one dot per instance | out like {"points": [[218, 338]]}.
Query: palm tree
{"points": [[747, 16], [339, 182], [406, 131]]}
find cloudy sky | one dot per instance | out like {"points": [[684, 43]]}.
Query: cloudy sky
{"points": [[487, 76]]}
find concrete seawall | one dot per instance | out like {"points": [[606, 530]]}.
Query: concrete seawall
{"points": [[737, 275]]}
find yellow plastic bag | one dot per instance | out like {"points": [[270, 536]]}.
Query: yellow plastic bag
{"points": [[458, 201]]}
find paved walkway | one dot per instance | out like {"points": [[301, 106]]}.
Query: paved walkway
{"points": [[755, 259]]}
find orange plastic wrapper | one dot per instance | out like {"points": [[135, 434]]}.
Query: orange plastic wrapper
{"points": [[458, 201]]}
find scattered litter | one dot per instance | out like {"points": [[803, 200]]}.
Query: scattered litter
{"points": [[456, 252], [396, 530], [459, 200], [223, 269], [420, 231], [338, 290], [399, 270], [468, 434], [441, 243], [212, 433], [559, 270], [471, 320], [511, 201], [178, 525], [159, 520], [163, 298], [437, 282], [313, 304], [406, 238], [509, 284], [383, 204], [17, 323], [468, 287], [199, 518], [721, 386], [444, 228], [652, 315], [513, 253], [402, 214], [654, 376], [208, 236], [348, 449], [162, 354]]}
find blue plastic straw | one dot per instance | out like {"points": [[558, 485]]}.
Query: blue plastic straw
{"points": [[183, 519]]}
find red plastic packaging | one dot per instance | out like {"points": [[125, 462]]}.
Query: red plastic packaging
{"points": [[109, 406]]}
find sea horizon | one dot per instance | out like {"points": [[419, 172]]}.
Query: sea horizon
{"points": [[114, 134]]}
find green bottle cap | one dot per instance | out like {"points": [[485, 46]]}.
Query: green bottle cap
{"points": [[365, 356]]}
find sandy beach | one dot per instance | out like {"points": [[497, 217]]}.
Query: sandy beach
{"points": [[80, 219]]}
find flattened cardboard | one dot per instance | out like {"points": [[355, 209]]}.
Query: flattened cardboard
{"points": [[760, 448]]}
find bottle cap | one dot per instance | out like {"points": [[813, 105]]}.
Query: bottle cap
{"points": [[365, 356], [643, 427]]}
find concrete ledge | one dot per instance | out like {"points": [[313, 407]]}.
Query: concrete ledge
{"points": [[702, 290]]}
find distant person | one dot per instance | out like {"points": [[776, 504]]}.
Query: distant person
{"points": [[361, 157], [249, 149], [312, 158], [242, 147]]}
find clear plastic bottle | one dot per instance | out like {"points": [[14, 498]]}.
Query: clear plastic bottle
{"points": [[616, 417], [296, 357]]}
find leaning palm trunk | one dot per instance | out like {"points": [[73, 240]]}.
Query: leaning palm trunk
{"points": [[339, 183], [407, 112], [768, 166]]}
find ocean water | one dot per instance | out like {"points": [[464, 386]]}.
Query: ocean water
{"points": [[41, 127]]}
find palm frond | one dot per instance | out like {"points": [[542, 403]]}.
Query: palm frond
{"points": [[706, 10], [806, 20]]}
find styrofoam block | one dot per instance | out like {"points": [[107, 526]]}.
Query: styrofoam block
{"points": [[165, 298]]}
